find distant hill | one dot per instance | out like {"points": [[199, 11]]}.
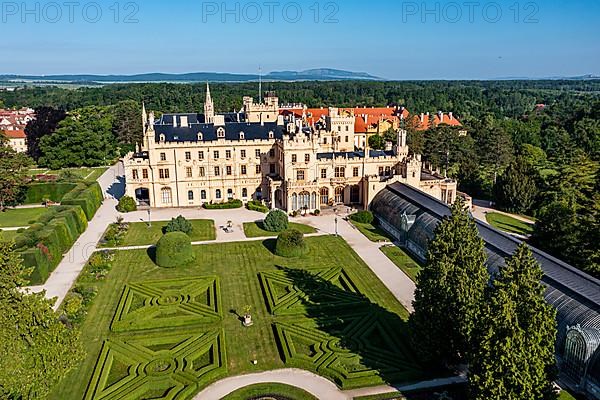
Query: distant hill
{"points": [[323, 74]]}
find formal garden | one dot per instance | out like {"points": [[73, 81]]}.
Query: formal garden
{"points": [[153, 332], [275, 222]]}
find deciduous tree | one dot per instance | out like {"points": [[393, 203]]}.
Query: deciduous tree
{"points": [[13, 175]]}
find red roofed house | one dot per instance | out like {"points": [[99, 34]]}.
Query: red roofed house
{"points": [[16, 139]]}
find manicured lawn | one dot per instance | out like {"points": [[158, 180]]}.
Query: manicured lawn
{"points": [[402, 260], [8, 235], [20, 216], [87, 174], [509, 224], [139, 234], [372, 232], [270, 390], [255, 229], [564, 395], [325, 312]]}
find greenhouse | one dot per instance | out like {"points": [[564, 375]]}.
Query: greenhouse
{"points": [[411, 216]]}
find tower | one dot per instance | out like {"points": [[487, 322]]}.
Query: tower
{"points": [[144, 117], [209, 108]]}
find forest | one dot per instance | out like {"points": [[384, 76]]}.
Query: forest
{"points": [[533, 147]]}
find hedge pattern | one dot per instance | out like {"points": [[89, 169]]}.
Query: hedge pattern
{"points": [[42, 245], [86, 195], [382, 353], [158, 366], [284, 298], [168, 303]]}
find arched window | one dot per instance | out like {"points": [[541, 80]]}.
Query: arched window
{"points": [[199, 136], [242, 135], [190, 195], [355, 194], [304, 201], [162, 138], [229, 194], [313, 201], [294, 201], [339, 194], [220, 133], [166, 196], [324, 195], [203, 195], [244, 193], [218, 194]]}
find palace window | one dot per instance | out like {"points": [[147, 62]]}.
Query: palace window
{"points": [[229, 194], [300, 175], [271, 135], [228, 154], [144, 173], [134, 174], [307, 158], [190, 195], [162, 138], [242, 135], [163, 173], [200, 155], [271, 168], [244, 170], [346, 137], [380, 171], [244, 193], [216, 154], [163, 156], [294, 201], [243, 153], [324, 195], [339, 194], [220, 133], [217, 171], [304, 201], [218, 194], [294, 158], [188, 172], [188, 156], [340, 172], [203, 195], [166, 197], [202, 172], [323, 173], [228, 170], [272, 153], [258, 170], [339, 128], [324, 140], [347, 129], [388, 171], [355, 172], [257, 153], [199, 136]]}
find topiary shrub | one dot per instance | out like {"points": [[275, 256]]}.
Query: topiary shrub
{"points": [[291, 244], [126, 204], [179, 224], [363, 217], [224, 206], [173, 250], [256, 205], [276, 221]]}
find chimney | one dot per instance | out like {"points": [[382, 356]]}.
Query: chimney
{"points": [[184, 121], [174, 121], [423, 117], [366, 119], [450, 116]]}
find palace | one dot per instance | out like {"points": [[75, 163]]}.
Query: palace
{"points": [[292, 158]]}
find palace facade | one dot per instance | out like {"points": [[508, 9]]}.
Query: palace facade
{"points": [[265, 152]]}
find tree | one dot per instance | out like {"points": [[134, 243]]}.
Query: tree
{"points": [[515, 354], [174, 249], [496, 149], [83, 139], [276, 221], [179, 224], [556, 230], [45, 123], [450, 290], [516, 191], [127, 126], [126, 204], [13, 176], [36, 349], [376, 142]]}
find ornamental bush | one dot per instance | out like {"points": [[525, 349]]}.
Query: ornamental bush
{"points": [[224, 206], [126, 204], [276, 221], [291, 244], [179, 224], [363, 217], [256, 205], [173, 250]]}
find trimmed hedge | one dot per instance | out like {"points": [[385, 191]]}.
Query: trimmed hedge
{"points": [[179, 224], [38, 192], [362, 217], [255, 205], [224, 206], [173, 250], [42, 245], [276, 221], [86, 195], [291, 244], [126, 204]]}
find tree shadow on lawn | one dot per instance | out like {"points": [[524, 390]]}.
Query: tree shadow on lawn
{"points": [[379, 338], [270, 245], [151, 252]]}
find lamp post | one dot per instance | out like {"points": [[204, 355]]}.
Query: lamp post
{"points": [[336, 225], [149, 220]]}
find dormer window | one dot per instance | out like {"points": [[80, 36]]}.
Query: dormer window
{"points": [[242, 135], [199, 136], [221, 133], [162, 138], [271, 135]]}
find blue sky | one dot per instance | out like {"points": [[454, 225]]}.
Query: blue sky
{"points": [[391, 39]]}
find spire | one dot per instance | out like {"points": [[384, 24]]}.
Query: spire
{"points": [[209, 108], [144, 116], [208, 98]]}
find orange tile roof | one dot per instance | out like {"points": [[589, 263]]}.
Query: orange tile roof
{"points": [[446, 119], [18, 134]]}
